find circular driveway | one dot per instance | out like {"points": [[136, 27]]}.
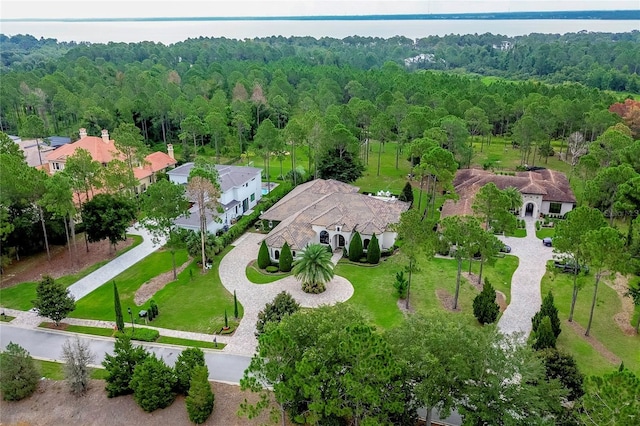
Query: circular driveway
{"points": [[255, 296]]}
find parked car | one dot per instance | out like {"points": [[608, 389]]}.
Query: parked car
{"points": [[568, 266], [547, 242], [505, 248]]}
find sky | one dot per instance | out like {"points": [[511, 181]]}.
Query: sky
{"points": [[61, 9]]}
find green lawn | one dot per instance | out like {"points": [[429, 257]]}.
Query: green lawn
{"points": [[196, 305], [99, 303], [6, 318], [54, 370], [374, 293], [256, 276], [603, 328], [545, 232], [20, 295]]}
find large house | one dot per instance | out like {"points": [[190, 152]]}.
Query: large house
{"points": [[103, 150], [240, 187], [543, 191], [330, 212]]}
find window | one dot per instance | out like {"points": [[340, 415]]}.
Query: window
{"points": [[338, 228], [253, 197], [324, 237], [366, 243], [293, 254], [277, 255], [555, 208]]}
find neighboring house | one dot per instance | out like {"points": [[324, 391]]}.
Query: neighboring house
{"points": [[543, 191], [329, 212], [103, 150], [240, 187], [46, 145]]}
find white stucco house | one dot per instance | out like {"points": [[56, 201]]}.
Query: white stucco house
{"points": [[545, 192], [330, 212], [241, 189]]}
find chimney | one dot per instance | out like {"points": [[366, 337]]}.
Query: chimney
{"points": [[105, 135], [170, 151], [83, 133]]}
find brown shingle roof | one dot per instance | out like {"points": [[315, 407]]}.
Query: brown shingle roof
{"points": [[328, 203], [551, 184]]}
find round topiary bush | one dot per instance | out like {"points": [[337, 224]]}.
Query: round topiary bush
{"points": [[271, 269]]}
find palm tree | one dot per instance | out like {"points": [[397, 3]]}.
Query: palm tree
{"points": [[314, 268], [515, 197]]}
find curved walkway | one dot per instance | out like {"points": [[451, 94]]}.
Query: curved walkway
{"points": [[525, 283], [255, 296], [109, 271]]}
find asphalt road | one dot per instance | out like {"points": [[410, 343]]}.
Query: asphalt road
{"points": [[223, 367]]}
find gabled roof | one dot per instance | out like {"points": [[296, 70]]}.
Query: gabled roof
{"points": [[551, 184], [328, 204]]}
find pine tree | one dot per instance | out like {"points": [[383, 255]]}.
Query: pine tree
{"points": [[187, 361], [120, 366], [544, 337], [485, 308], [548, 309], [118, 308], [286, 258], [153, 383], [373, 251], [18, 373], [282, 305], [263, 256], [355, 248], [407, 193], [200, 400]]}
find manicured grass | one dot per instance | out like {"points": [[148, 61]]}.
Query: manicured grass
{"points": [[55, 370], [604, 328], [21, 295], [196, 305], [95, 331], [256, 276], [545, 232], [99, 303], [375, 295], [6, 318], [519, 233], [188, 342]]}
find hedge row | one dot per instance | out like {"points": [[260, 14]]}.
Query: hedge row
{"points": [[141, 334]]}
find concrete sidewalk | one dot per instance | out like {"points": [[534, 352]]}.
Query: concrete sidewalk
{"points": [[109, 271]]}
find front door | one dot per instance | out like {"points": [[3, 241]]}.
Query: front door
{"points": [[340, 241], [245, 205]]}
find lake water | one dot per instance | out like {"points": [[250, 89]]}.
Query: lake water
{"points": [[171, 32]]}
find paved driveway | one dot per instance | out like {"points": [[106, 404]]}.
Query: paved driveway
{"points": [[255, 296], [525, 284]]}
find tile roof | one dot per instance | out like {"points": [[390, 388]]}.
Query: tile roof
{"points": [[328, 204], [551, 184]]}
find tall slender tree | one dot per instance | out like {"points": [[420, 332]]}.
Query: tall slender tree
{"points": [[117, 308]]}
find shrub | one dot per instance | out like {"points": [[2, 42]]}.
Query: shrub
{"points": [[373, 252], [121, 364], [407, 193], [313, 288], [282, 305], [272, 269], [355, 248], [141, 334], [401, 284], [152, 383], [18, 374], [548, 309], [442, 247], [563, 367], [154, 307], [77, 356], [286, 258], [485, 308], [544, 337], [263, 256], [187, 361], [200, 400]]}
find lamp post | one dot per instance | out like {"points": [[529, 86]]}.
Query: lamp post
{"points": [[131, 315]]}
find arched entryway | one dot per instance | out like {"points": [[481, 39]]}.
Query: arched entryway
{"points": [[529, 209], [339, 241]]}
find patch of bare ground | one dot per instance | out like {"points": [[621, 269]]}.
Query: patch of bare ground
{"points": [[623, 318], [63, 262], [52, 405], [446, 300], [402, 305], [151, 287], [595, 343]]}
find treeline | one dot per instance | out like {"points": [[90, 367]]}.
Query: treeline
{"points": [[600, 60]]}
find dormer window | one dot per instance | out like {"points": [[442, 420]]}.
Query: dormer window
{"points": [[338, 228]]}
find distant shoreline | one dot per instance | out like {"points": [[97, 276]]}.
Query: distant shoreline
{"points": [[608, 15]]}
